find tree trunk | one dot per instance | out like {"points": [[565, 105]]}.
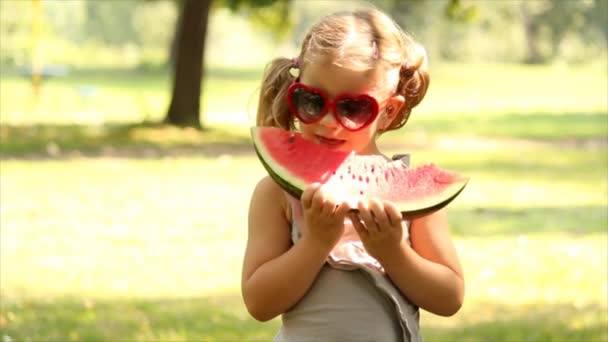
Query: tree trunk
{"points": [[533, 55], [191, 30]]}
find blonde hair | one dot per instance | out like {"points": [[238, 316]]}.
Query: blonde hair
{"points": [[341, 37]]}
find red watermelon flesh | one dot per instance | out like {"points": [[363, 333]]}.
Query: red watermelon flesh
{"points": [[295, 162]]}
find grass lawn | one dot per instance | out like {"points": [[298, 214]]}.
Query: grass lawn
{"points": [[136, 233]]}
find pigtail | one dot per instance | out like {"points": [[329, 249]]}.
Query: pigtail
{"points": [[272, 106], [413, 83]]}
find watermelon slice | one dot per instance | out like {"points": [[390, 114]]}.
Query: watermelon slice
{"points": [[295, 162]]}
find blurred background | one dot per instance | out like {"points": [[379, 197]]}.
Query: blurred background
{"points": [[126, 164]]}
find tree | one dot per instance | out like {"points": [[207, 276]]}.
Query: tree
{"points": [[553, 20], [188, 64], [189, 51]]}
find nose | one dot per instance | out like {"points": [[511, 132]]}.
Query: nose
{"points": [[329, 120]]}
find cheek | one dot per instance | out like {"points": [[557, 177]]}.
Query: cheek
{"points": [[306, 130], [370, 131], [364, 136]]}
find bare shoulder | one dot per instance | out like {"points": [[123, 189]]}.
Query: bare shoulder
{"points": [[268, 197], [267, 185]]}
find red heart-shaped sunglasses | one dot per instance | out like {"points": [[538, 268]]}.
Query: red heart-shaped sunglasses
{"points": [[353, 112]]}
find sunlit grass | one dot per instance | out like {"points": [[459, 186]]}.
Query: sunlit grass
{"points": [[525, 286], [127, 207]]}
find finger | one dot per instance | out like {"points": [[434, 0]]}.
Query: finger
{"points": [[366, 215], [318, 199], [342, 209], [377, 209], [330, 205], [307, 195], [394, 215], [359, 227]]}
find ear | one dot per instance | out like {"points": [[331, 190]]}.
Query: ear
{"points": [[391, 109]]}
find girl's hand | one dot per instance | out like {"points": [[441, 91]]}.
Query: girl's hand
{"points": [[381, 230], [324, 216]]}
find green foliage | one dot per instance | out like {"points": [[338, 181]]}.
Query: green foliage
{"points": [[108, 15], [270, 17], [88, 33], [275, 19], [154, 23], [15, 32], [238, 4], [457, 30], [455, 10], [139, 33], [553, 21]]}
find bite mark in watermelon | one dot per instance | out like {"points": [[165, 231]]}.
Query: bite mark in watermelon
{"points": [[295, 162]]}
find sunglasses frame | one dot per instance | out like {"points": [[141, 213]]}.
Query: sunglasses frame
{"points": [[333, 105]]}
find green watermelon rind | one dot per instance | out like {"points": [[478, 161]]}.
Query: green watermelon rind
{"points": [[430, 201], [290, 188], [409, 209], [412, 214]]}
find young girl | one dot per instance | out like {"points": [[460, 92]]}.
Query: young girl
{"points": [[335, 276]]}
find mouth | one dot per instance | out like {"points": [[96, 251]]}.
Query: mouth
{"points": [[330, 142]]}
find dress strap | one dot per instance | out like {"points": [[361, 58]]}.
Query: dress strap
{"points": [[405, 158], [296, 214]]}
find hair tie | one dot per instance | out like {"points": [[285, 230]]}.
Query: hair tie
{"points": [[295, 62], [407, 70]]}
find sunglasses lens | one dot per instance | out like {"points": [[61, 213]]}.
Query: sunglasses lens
{"points": [[309, 105], [355, 113]]}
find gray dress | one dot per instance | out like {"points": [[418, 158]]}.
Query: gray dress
{"points": [[351, 299]]}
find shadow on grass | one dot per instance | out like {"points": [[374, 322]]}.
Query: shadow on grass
{"points": [[153, 140], [498, 221], [132, 141], [205, 319], [224, 319]]}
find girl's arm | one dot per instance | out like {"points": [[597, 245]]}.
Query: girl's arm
{"points": [[428, 272], [276, 275]]}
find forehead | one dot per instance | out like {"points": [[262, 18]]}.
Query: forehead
{"points": [[337, 80]]}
